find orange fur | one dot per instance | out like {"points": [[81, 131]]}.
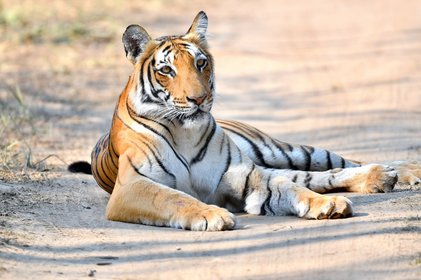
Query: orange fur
{"points": [[371, 182]]}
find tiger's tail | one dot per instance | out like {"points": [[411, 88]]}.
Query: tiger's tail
{"points": [[80, 167]]}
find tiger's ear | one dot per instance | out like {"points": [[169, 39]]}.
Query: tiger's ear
{"points": [[135, 39], [199, 26]]}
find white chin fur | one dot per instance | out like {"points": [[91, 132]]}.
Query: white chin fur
{"points": [[190, 123]]}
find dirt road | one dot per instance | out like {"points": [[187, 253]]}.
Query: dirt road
{"points": [[342, 75]]}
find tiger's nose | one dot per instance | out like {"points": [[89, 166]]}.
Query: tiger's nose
{"points": [[196, 99]]}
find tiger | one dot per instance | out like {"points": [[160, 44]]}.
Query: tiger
{"points": [[166, 161]]}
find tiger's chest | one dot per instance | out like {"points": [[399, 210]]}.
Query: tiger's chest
{"points": [[202, 150], [199, 179], [192, 163]]}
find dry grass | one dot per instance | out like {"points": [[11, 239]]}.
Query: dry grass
{"points": [[16, 125], [45, 25], [417, 260], [17, 130]]}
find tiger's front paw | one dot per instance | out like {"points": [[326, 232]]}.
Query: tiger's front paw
{"points": [[409, 172], [204, 218], [325, 207], [373, 178]]}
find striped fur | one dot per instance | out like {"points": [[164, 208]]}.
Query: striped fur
{"points": [[167, 162]]}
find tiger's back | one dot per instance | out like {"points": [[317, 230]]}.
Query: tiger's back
{"points": [[104, 162]]}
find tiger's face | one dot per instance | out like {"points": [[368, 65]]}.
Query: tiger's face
{"points": [[173, 75], [181, 77]]}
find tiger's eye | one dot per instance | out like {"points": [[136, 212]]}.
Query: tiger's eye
{"points": [[201, 62], [165, 70]]}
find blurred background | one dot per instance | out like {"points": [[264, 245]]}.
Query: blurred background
{"points": [[343, 75]]}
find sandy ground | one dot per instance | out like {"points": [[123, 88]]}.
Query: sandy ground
{"points": [[343, 75]]}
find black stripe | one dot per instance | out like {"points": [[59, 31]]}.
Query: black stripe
{"points": [[227, 164], [143, 151], [246, 185], [105, 186], [97, 178], [105, 167], [245, 129], [328, 160], [307, 180], [153, 91], [112, 158], [222, 144], [268, 206], [100, 165], [142, 84], [160, 45], [136, 169], [307, 159], [240, 153], [113, 154], [248, 130], [254, 147], [97, 149], [159, 123], [161, 85], [165, 127], [146, 97], [164, 51], [185, 45], [342, 162], [294, 179], [290, 164], [310, 148], [262, 208], [179, 157], [204, 148], [204, 133], [266, 203], [330, 181], [106, 161], [158, 160]]}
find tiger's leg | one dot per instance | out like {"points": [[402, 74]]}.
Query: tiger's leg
{"points": [[409, 172], [138, 199], [371, 178], [281, 198], [268, 192], [279, 192], [269, 152]]}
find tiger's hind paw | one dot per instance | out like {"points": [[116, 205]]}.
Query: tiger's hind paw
{"points": [[372, 178], [409, 172]]}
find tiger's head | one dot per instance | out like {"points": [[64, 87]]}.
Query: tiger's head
{"points": [[173, 75]]}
